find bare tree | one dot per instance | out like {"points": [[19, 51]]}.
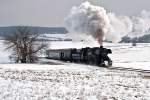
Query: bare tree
{"points": [[24, 45]]}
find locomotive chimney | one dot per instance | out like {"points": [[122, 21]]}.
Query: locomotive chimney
{"points": [[101, 46]]}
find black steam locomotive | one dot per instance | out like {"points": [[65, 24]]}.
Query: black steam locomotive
{"points": [[92, 56]]}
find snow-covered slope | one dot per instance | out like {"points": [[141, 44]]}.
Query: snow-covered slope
{"points": [[123, 54], [69, 81]]}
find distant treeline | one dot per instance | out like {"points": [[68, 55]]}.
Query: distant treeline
{"points": [[48, 30], [142, 39]]}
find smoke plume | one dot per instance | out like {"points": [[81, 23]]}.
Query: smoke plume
{"points": [[134, 26], [88, 19], [119, 27]]}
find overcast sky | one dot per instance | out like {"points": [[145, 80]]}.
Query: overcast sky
{"points": [[52, 12]]}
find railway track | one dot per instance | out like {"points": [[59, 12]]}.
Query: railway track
{"points": [[57, 62], [129, 69]]}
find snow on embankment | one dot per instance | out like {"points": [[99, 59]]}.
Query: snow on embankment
{"points": [[44, 67], [125, 55], [64, 83], [70, 81]]}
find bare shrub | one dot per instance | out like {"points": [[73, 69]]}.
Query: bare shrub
{"points": [[24, 45]]}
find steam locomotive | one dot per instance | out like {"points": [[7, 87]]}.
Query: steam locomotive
{"points": [[92, 56]]}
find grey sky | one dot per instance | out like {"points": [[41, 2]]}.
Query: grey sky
{"points": [[52, 12]]}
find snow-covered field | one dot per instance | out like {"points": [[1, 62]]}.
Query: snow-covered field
{"points": [[68, 81], [123, 54], [4, 54], [55, 37]]}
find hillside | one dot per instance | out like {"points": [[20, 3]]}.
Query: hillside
{"points": [[52, 30], [142, 39]]}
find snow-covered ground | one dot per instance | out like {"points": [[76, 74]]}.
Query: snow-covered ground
{"points": [[123, 54], [69, 81], [55, 37], [4, 54]]}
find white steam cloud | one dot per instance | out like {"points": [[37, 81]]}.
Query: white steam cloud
{"points": [[134, 26], [119, 26], [87, 19]]}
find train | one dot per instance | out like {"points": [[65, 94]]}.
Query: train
{"points": [[92, 56]]}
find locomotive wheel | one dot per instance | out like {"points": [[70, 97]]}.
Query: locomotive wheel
{"points": [[102, 65], [90, 62], [109, 64], [105, 64]]}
